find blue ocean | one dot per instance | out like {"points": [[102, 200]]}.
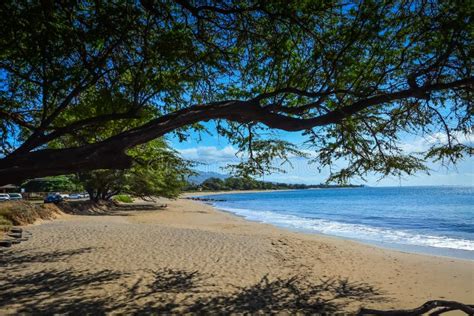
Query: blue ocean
{"points": [[432, 220]]}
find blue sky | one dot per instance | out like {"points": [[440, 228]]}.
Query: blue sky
{"points": [[214, 152]]}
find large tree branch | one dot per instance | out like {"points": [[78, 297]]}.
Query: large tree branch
{"points": [[337, 115], [36, 137], [300, 92], [56, 133], [230, 10], [110, 153], [16, 118], [95, 73]]}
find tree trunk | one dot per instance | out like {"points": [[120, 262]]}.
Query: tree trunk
{"points": [[51, 162]]}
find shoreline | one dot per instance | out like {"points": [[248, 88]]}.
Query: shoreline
{"points": [[206, 193], [449, 253], [191, 257], [381, 245]]}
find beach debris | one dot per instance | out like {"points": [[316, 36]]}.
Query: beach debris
{"points": [[15, 235], [16, 230], [436, 307], [5, 243]]}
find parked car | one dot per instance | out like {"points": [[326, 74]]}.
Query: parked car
{"points": [[75, 196], [53, 198], [15, 196], [63, 195], [4, 197]]}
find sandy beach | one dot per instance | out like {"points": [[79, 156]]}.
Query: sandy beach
{"points": [[190, 257]]}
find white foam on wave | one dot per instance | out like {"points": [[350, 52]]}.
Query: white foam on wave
{"points": [[353, 230]]}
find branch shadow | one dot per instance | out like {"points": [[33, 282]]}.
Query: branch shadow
{"points": [[104, 208], [140, 207], [52, 291], [15, 258], [166, 281], [294, 294], [175, 291]]}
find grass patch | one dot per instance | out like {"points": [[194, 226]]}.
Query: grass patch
{"points": [[4, 222], [124, 198], [5, 226], [22, 213]]}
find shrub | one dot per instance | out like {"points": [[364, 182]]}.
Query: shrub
{"points": [[123, 198]]}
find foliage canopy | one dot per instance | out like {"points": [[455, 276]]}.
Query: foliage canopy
{"points": [[352, 76], [156, 171]]}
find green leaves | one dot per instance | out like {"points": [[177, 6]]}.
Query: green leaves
{"points": [[82, 73], [265, 156], [157, 171]]}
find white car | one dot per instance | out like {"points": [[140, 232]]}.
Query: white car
{"points": [[4, 197], [15, 196], [75, 196], [63, 195]]}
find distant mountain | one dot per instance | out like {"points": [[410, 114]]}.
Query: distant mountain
{"points": [[203, 176]]}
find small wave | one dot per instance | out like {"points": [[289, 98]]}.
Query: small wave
{"points": [[356, 231]]}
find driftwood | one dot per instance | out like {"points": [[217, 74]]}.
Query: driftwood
{"points": [[15, 235], [16, 230], [435, 307], [5, 243]]}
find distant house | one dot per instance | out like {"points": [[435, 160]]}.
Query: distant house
{"points": [[9, 188]]}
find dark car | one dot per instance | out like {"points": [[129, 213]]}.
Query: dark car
{"points": [[55, 198]]}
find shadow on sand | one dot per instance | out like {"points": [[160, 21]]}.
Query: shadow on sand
{"points": [[175, 291], [293, 294], [14, 258], [102, 208]]}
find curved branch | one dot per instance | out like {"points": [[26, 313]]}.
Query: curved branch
{"points": [[300, 92], [196, 9], [44, 139], [15, 118], [110, 153]]}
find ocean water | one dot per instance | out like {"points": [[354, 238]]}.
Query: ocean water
{"points": [[432, 220]]}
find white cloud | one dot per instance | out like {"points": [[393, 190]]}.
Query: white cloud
{"points": [[214, 157], [443, 138], [420, 144], [210, 154]]}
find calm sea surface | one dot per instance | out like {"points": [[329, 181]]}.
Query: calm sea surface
{"points": [[434, 220]]}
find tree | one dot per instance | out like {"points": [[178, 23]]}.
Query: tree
{"points": [[102, 184], [156, 171], [213, 184], [52, 184], [352, 76], [234, 183]]}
